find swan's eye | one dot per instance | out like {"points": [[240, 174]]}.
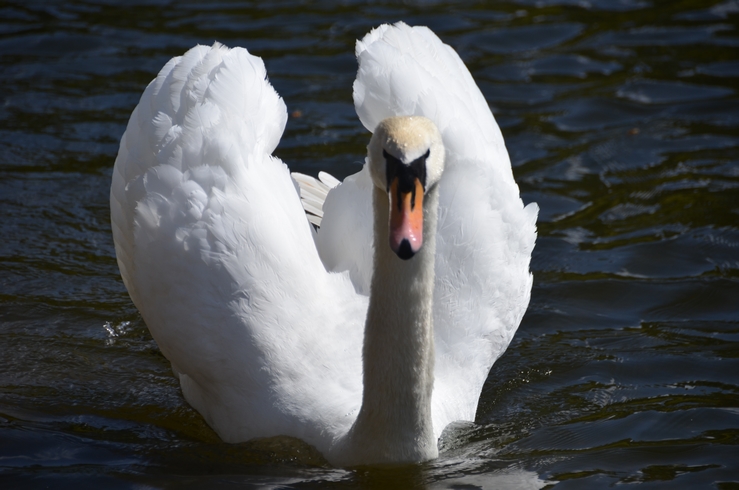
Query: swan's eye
{"points": [[406, 173]]}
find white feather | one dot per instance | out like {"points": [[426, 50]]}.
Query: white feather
{"points": [[263, 325]]}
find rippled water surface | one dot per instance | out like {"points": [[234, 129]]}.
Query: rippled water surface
{"points": [[622, 121]]}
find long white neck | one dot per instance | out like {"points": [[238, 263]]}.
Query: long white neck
{"points": [[394, 423]]}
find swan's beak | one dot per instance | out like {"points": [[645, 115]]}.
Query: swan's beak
{"points": [[406, 219]]}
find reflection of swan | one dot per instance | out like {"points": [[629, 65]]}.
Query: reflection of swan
{"points": [[264, 320]]}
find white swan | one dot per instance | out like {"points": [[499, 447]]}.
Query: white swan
{"points": [[265, 321]]}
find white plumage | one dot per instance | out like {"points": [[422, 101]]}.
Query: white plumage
{"points": [[262, 319]]}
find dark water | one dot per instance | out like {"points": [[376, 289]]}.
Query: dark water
{"points": [[622, 120]]}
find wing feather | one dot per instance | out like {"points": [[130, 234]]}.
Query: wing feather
{"points": [[216, 253], [485, 235]]}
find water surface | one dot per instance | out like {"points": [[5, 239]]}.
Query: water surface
{"points": [[622, 121]]}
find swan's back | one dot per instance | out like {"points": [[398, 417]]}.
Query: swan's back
{"points": [[218, 257]]}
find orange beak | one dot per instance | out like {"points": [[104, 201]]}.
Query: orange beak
{"points": [[406, 219]]}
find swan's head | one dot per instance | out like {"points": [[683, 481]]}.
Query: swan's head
{"points": [[406, 158]]}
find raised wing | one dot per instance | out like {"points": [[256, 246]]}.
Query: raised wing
{"points": [[215, 250], [485, 235]]}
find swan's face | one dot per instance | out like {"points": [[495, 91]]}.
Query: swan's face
{"points": [[406, 158]]}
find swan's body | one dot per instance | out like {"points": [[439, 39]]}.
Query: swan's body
{"points": [[265, 324]]}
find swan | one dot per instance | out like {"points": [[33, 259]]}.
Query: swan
{"points": [[364, 337]]}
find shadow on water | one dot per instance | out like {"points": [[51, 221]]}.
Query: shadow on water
{"points": [[621, 118]]}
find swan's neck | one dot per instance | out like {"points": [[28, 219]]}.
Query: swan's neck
{"points": [[394, 423]]}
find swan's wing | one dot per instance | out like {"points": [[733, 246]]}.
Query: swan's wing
{"points": [[343, 211], [345, 240], [485, 235], [217, 255], [313, 193]]}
